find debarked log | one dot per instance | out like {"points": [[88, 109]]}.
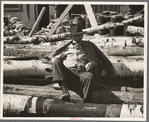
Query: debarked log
{"points": [[134, 29], [19, 105], [104, 96], [37, 68], [25, 68], [112, 25], [36, 39], [62, 36], [127, 51]]}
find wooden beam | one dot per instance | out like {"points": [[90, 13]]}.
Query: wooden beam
{"points": [[63, 15], [92, 18], [37, 21]]}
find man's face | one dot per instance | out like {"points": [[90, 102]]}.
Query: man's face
{"points": [[77, 38]]}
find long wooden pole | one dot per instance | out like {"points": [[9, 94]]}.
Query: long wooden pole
{"points": [[63, 15], [37, 21], [112, 25], [92, 18]]}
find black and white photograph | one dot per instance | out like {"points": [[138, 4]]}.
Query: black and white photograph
{"points": [[74, 60]]}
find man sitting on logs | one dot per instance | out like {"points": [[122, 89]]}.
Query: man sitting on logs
{"points": [[78, 64]]}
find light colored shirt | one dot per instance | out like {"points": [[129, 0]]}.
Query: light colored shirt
{"points": [[75, 56]]}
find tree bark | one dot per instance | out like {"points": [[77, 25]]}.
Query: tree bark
{"points": [[29, 106]]}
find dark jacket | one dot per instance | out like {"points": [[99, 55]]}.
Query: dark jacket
{"points": [[93, 53]]}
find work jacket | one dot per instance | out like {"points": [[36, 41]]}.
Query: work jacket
{"points": [[93, 54]]}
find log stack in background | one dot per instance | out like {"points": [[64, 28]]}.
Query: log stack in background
{"points": [[102, 19], [117, 31], [59, 37]]}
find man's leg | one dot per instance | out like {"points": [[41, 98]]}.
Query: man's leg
{"points": [[72, 80], [86, 78], [64, 77], [59, 73]]}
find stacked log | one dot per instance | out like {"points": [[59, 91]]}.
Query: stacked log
{"points": [[117, 30], [23, 106], [102, 19], [132, 51], [112, 25], [127, 16], [25, 68], [135, 30], [101, 96], [37, 68], [59, 37]]}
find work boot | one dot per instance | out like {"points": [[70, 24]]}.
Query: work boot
{"points": [[65, 96]]}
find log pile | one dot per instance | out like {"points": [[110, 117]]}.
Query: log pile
{"points": [[37, 68], [23, 106], [45, 101], [104, 95], [62, 36], [13, 26]]}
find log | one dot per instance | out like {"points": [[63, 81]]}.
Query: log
{"points": [[112, 88], [22, 58], [36, 39], [112, 25], [104, 96], [25, 68], [39, 91], [37, 21], [30, 106], [126, 51], [118, 41], [129, 89], [37, 68], [134, 29], [62, 36]]}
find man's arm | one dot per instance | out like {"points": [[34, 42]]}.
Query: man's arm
{"points": [[59, 52]]}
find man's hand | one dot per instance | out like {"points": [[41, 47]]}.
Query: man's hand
{"points": [[90, 66], [80, 65]]}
